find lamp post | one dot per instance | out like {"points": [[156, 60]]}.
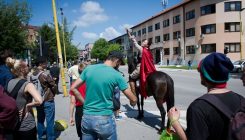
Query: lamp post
{"points": [[162, 52], [63, 33], [241, 30], [179, 51]]}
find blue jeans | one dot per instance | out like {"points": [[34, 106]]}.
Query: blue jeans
{"points": [[99, 127], [46, 110]]}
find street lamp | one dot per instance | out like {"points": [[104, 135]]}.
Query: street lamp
{"points": [[179, 51], [240, 17], [63, 32]]}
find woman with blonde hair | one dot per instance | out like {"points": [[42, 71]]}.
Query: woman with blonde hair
{"points": [[24, 99]]}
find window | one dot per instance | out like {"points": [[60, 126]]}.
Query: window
{"points": [[232, 27], [176, 50], [176, 19], [134, 33], [208, 48], [157, 26], [233, 47], [190, 32], [166, 37], [157, 39], [166, 23], [208, 29], [139, 33], [208, 9], [232, 6], [176, 35], [190, 49], [150, 28], [166, 51], [190, 15], [144, 31]]}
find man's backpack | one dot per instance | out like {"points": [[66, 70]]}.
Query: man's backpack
{"points": [[14, 95], [35, 80], [237, 118]]}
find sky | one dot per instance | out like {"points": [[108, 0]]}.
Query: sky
{"points": [[96, 18]]}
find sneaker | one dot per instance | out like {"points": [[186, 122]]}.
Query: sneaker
{"points": [[118, 118]]}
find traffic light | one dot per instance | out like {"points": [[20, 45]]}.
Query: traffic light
{"points": [[226, 50]]}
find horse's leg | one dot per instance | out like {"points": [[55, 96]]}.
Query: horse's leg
{"points": [[138, 104], [159, 104], [142, 106]]}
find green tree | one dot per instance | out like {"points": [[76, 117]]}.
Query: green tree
{"points": [[13, 18], [99, 50], [102, 48]]}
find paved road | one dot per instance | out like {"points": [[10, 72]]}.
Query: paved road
{"points": [[187, 88]]}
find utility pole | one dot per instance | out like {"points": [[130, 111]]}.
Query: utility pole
{"points": [[59, 49], [63, 32]]}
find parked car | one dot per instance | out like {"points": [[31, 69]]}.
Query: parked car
{"points": [[239, 65]]}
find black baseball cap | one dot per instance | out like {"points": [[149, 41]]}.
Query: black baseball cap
{"points": [[117, 54]]}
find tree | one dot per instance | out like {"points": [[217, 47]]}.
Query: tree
{"points": [[13, 17], [102, 48], [99, 49]]}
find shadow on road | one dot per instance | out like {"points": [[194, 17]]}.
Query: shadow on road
{"points": [[149, 119]]}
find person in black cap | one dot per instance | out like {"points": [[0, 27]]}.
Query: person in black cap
{"points": [[204, 120], [101, 79]]}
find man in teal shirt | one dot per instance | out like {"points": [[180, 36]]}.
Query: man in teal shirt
{"points": [[101, 80]]}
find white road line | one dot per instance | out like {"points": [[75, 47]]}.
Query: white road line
{"points": [[154, 114]]}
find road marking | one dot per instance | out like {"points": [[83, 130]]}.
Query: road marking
{"points": [[154, 114]]}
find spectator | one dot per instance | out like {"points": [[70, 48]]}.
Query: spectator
{"points": [[78, 104], [189, 65], [204, 121], [47, 88], [27, 91], [55, 73], [5, 73], [73, 72], [101, 80]]}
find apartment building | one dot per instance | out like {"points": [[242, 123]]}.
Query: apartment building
{"points": [[193, 29], [123, 40]]}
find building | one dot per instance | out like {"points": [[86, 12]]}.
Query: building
{"points": [[194, 28], [123, 40], [87, 51]]}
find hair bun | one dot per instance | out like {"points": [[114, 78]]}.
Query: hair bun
{"points": [[10, 62]]}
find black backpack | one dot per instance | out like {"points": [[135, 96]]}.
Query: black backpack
{"points": [[237, 118], [14, 94]]}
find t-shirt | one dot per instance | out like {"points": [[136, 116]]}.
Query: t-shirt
{"points": [[204, 122], [73, 72], [101, 81], [82, 91]]}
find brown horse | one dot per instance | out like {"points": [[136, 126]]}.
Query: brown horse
{"points": [[159, 85]]}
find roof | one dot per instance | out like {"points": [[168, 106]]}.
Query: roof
{"points": [[32, 27], [164, 12]]}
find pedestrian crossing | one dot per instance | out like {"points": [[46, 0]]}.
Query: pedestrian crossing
{"points": [[150, 111]]}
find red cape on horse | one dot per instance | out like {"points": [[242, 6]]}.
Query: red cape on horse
{"points": [[146, 68]]}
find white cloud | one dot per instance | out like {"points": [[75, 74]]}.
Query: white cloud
{"points": [[110, 33], [122, 27], [89, 35], [92, 13]]}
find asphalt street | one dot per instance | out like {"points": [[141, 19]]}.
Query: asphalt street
{"points": [[187, 88]]}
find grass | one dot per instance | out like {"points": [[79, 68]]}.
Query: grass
{"points": [[178, 67]]}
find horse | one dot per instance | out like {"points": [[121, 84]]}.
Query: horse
{"points": [[159, 85]]}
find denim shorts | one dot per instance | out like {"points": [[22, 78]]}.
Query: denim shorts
{"points": [[99, 127]]}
